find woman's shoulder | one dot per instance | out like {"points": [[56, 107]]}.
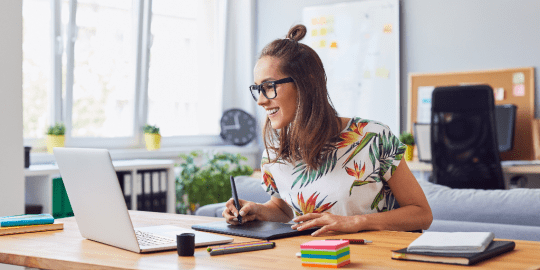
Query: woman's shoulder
{"points": [[367, 125]]}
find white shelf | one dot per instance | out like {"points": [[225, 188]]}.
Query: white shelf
{"points": [[39, 181]]}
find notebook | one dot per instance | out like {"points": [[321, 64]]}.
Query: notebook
{"points": [[100, 209], [31, 228], [456, 242], [494, 249], [266, 230]]}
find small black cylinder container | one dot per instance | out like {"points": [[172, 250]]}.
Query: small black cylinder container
{"points": [[185, 244], [27, 156]]}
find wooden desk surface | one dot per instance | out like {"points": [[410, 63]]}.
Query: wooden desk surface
{"points": [[67, 249]]}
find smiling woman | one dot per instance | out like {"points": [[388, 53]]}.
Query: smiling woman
{"points": [[337, 173]]}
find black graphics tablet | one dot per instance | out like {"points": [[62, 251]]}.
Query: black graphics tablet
{"points": [[265, 230]]}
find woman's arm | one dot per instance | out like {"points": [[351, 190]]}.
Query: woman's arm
{"points": [[273, 210], [414, 212]]}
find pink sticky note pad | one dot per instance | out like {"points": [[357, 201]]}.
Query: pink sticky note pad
{"points": [[519, 90], [325, 244]]}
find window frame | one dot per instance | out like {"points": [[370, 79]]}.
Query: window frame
{"points": [[60, 109]]}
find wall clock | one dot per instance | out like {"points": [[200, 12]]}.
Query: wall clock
{"points": [[238, 127]]}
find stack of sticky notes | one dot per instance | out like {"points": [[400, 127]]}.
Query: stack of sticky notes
{"points": [[325, 253]]}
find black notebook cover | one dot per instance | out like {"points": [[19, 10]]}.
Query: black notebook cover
{"points": [[265, 230], [494, 249]]}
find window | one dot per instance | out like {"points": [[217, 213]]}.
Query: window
{"points": [[36, 68], [103, 81], [182, 97], [108, 67]]}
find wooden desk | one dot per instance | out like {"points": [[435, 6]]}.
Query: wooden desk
{"points": [[67, 249]]}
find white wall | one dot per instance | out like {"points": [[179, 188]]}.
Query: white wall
{"points": [[439, 35], [11, 138], [461, 35]]}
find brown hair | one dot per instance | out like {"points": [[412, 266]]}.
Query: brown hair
{"points": [[316, 126]]}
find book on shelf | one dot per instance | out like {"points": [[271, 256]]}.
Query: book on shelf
{"points": [[23, 220], [494, 249], [457, 242], [31, 228]]}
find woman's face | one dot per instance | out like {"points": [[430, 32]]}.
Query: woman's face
{"points": [[282, 109]]}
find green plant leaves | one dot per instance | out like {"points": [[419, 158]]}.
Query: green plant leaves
{"points": [[205, 177], [406, 138], [151, 129], [57, 129]]}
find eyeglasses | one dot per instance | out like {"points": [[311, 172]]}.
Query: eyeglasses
{"points": [[267, 88]]}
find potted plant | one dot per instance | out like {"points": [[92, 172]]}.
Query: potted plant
{"points": [[207, 183], [408, 139], [152, 137], [56, 136]]}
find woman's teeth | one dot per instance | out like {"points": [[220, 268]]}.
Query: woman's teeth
{"points": [[272, 111]]}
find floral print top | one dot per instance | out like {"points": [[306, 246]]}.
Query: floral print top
{"points": [[352, 181]]}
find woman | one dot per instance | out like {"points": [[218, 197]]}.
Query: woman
{"points": [[340, 174]]}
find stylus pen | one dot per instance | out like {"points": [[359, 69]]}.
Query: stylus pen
{"points": [[235, 197], [354, 241], [268, 245]]}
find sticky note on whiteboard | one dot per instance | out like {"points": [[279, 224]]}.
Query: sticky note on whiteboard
{"points": [[519, 90], [382, 72], [387, 28]]}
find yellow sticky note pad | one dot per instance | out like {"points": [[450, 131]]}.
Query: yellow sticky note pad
{"points": [[314, 32], [322, 43], [323, 31]]}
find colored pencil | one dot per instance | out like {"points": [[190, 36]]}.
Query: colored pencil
{"points": [[236, 245], [237, 249]]}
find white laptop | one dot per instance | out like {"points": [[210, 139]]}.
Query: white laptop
{"points": [[100, 209]]}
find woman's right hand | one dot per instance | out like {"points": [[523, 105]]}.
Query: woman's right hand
{"points": [[248, 211]]}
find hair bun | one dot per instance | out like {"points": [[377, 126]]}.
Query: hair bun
{"points": [[297, 32]]}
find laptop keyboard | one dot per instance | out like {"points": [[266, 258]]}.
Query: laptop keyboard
{"points": [[149, 239]]}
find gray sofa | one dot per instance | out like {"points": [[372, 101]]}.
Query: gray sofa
{"points": [[509, 214]]}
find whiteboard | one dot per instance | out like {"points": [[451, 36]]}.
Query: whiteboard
{"points": [[358, 43]]}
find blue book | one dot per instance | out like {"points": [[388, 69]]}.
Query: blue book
{"points": [[25, 220]]}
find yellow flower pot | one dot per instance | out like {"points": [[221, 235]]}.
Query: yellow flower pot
{"points": [[153, 141], [409, 153], [55, 141]]}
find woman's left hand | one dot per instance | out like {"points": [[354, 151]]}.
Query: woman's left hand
{"points": [[327, 222]]}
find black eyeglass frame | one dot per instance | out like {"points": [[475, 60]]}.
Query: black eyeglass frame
{"points": [[274, 83]]}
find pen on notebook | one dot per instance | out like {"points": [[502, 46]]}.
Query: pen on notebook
{"points": [[245, 248], [354, 241], [237, 245], [235, 197]]}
